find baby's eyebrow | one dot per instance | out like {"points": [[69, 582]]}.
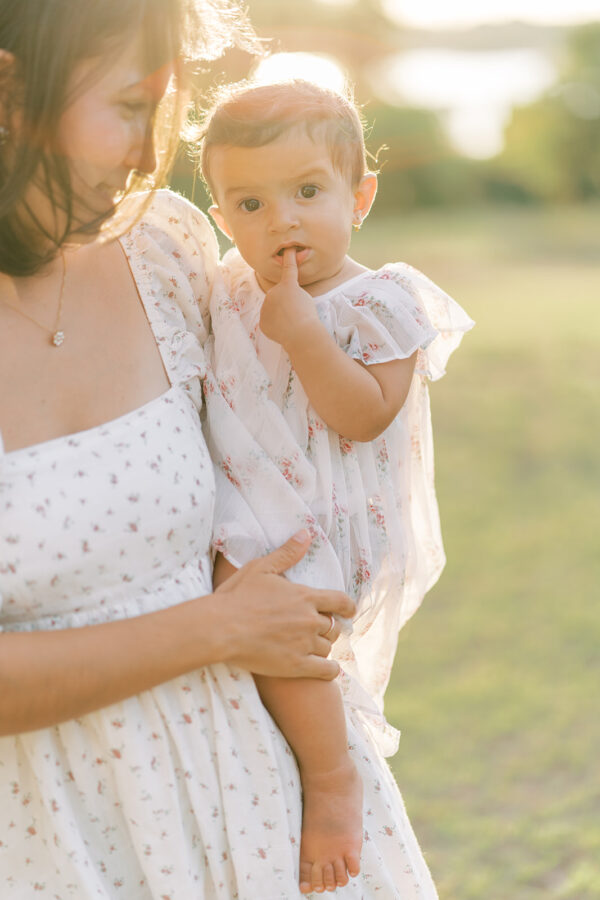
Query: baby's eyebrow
{"points": [[240, 189], [319, 172]]}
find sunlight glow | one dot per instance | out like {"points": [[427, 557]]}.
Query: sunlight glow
{"points": [[464, 13], [320, 69], [474, 91]]}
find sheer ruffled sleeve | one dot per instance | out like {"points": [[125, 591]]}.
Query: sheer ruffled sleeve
{"points": [[391, 313], [173, 253]]}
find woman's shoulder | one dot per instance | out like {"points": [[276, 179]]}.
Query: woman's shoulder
{"points": [[172, 223]]}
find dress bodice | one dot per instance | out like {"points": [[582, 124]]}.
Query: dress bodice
{"points": [[116, 520], [95, 518]]}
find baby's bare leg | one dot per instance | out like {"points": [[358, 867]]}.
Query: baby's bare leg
{"points": [[311, 716]]}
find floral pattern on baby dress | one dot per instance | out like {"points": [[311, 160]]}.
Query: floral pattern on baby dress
{"points": [[370, 507], [187, 791]]}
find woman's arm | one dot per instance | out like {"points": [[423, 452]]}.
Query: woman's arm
{"points": [[259, 621], [356, 401]]}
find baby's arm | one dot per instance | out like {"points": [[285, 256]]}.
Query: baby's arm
{"points": [[310, 715], [356, 400]]}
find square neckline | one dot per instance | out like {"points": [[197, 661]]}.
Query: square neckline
{"points": [[115, 420]]}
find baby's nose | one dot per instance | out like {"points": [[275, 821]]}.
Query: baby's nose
{"points": [[283, 217]]}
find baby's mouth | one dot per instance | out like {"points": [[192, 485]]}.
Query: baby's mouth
{"points": [[296, 247]]}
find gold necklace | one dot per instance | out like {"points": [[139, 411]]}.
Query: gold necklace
{"points": [[57, 336]]}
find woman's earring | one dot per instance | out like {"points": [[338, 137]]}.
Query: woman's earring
{"points": [[357, 222]]}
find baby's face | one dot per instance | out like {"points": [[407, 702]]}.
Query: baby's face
{"points": [[285, 194]]}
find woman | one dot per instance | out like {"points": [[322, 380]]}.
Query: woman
{"points": [[76, 109], [136, 758]]}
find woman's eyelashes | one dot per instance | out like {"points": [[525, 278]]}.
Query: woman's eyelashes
{"points": [[130, 109]]}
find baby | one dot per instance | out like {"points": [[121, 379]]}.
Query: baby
{"points": [[337, 345]]}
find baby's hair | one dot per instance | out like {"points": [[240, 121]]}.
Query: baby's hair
{"points": [[252, 115]]}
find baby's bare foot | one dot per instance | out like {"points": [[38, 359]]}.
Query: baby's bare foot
{"points": [[331, 828]]}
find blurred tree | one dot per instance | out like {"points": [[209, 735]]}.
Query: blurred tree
{"points": [[418, 167], [553, 145], [356, 35]]}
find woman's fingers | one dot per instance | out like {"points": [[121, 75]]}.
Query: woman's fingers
{"points": [[329, 628], [279, 561], [286, 556], [336, 603], [322, 646], [317, 667]]}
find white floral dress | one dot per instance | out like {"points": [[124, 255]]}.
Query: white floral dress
{"points": [[187, 791], [371, 507]]}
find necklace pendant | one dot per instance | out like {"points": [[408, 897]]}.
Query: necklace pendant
{"points": [[57, 338]]}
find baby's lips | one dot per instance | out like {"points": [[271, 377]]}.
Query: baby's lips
{"points": [[302, 252]]}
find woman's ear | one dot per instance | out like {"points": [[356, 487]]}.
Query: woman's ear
{"points": [[363, 198], [220, 222]]}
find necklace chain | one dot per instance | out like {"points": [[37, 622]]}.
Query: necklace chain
{"points": [[57, 335]]}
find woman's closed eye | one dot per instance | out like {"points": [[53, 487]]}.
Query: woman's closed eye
{"points": [[132, 108]]}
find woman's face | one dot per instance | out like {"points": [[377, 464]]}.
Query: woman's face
{"points": [[105, 133]]}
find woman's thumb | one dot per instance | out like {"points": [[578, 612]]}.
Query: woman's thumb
{"points": [[286, 556]]}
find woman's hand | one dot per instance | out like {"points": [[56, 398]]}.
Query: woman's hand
{"points": [[275, 627], [257, 620]]}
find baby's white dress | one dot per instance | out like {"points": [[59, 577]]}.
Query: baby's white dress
{"points": [[371, 507], [187, 791]]}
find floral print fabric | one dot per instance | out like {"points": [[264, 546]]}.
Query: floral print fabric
{"points": [[371, 507], [187, 791]]}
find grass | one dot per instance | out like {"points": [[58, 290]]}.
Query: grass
{"points": [[496, 679]]}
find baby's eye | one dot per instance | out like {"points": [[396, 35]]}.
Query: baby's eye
{"points": [[308, 191], [250, 205]]}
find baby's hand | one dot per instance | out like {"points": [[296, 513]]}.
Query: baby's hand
{"points": [[287, 308]]}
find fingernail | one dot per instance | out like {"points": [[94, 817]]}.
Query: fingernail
{"points": [[301, 536]]}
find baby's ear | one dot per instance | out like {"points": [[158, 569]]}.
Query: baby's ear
{"points": [[220, 222], [364, 194]]}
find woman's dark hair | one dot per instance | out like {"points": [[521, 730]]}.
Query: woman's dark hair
{"points": [[41, 42]]}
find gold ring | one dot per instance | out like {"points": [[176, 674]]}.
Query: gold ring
{"points": [[330, 629]]}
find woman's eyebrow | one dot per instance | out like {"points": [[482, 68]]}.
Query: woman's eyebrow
{"points": [[151, 84], [139, 85]]}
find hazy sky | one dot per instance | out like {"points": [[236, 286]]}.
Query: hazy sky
{"points": [[452, 13], [456, 13]]}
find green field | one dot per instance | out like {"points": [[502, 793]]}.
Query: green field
{"points": [[497, 678]]}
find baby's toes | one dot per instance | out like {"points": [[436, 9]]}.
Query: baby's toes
{"points": [[353, 864], [305, 877], [341, 875], [318, 884], [329, 877]]}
